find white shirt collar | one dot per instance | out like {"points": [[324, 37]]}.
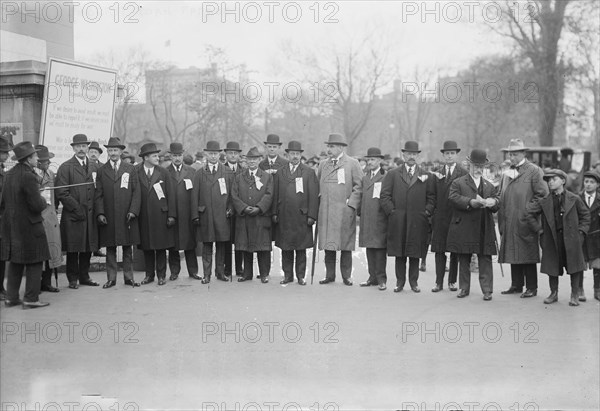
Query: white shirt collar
{"points": [[592, 196], [82, 162], [271, 160], [521, 163], [477, 181], [118, 163], [409, 167], [146, 169], [376, 171], [232, 166], [340, 156]]}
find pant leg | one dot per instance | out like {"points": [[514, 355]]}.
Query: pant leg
{"points": [[239, 262], [287, 264], [486, 273], [517, 276], [464, 272], [219, 259], [596, 277], [372, 264], [72, 267], [575, 279], [174, 261], [413, 272], [191, 261], [530, 274], [33, 275], [380, 264], [13, 280], [440, 268], [453, 268], [553, 281], [84, 266], [46, 274], [248, 265], [330, 265], [346, 264], [581, 281], [207, 250], [300, 264], [264, 263], [111, 263], [2, 271], [127, 262], [400, 271], [228, 258], [161, 263], [149, 263]]}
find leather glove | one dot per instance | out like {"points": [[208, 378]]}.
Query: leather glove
{"points": [[196, 221], [255, 211], [311, 221], [170, 222], [102, 220], [130, 216], [275, 219]]}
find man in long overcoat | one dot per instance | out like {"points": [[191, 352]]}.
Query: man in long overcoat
{"points": [[4, 149], [445, 175], [24, 243], [78, 228], [408, 199], [185, 236], [274, 162], [340, 186], [118, 200], [472, 231], [295, 210], [232, 163], [252, 196], [591, 247], [373, 221], [522, 184], [212, 210], [158, 214]]}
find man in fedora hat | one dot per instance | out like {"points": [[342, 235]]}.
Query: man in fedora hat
{"points": [[128, 157], [340, 186], [408, 199], [94, 153], [472, 228], [522, 184], [51, 224], [24, 243], [373, 221], [274, 162], [212, 210], [158, 214], [78, 228], [200, 161], [182, 177], [252, 196], [591, 246], [232, 163], [444, 176], [4, 149], [118, 200], [295, 210], [565, 221]]}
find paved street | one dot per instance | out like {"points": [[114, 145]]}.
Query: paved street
{"points": [[325, 347]]}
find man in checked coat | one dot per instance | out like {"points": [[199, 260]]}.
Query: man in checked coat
{"points": [[185, 237], [295, 210], [118, 201], [212, 211]]}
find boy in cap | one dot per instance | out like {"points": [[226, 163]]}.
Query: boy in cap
{"points": [[591, 246]]}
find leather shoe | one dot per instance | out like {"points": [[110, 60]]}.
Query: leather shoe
{"points": [[264, 280], [574, 302], [132, 283], [398, 289], [109, 284], [367, 283], [37, 304], [382, 287], [89, 282], [73, 285], [348, 282], [462, 294], [195, 277], [147, 280], [513, 290], [286, 281], [2, 295], [437, 288], [205, 280], [10, 303], [326, 281], [415, 289], [487, 296], [529, 293], [597, 293], [49, 289], [174, 277], [222, 278], [161, 281], [582, 295], [552, 298], [452, 286], [423, 267], [302, 281], [242, 279]]}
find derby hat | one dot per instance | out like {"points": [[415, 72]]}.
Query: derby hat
{"points": [[126, 154], [23, 149], [450, 145], [80, 139], [115, 142], [294, 146], [515, 144], [233, 146], [4, 145], [555, 172], [95, 146], [176, 148], [148, 148], [478, 156], [212, 146], [273, 139], [253, 153], [43, 153], [374, 152], [411, 147], [337, 139]]}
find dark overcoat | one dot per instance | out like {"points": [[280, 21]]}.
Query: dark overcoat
{"points": [[78, 227], [154, 233], [591, 248], [117, 195], [23, 235], [472, 230], [279, 163], [253, 233], [238, 170], [185, 237], [405, 200], [373, 221], [293, 207]]}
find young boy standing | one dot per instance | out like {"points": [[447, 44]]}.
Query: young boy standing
{"points": [[591, 246]]}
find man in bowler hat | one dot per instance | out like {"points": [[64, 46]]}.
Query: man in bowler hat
{"points": [[232, 163], [274, 162], [4, 149]]}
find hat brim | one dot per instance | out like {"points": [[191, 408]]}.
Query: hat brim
{"points": [[50, 155], [149, 152], [487, 161], [450, 149], [511, 150], [592, 175], [549, 176], [411, 151], [121, 147], [14, 158], [82, 142], [233, 149], [177, 153], [374, 156], [96, 148], [336, 143], [287, 150], [276, 144]]}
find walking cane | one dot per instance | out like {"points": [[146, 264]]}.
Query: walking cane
{"points": [[56, 276], [498, 248], [314, 256]]}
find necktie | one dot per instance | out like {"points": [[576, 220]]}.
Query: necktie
{"points": [[410, 172], [115, 169], [293, 169], [448, 173], [212, 169], [149, 174], [589, 201], [85, 166], [335, 162], [372, 175]]}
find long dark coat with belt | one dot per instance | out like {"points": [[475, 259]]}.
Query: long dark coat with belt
{"points": [[210, 205], [591, 248], [373, 220], [576, 220], [184, 229], [115, 197], [443, 208], [404, 200], [253, 233], [23, 235], [154, 233], [78, 227], [293, 209], [467, 234]]}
